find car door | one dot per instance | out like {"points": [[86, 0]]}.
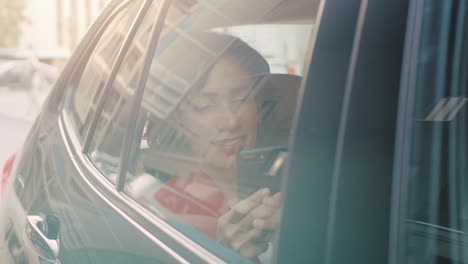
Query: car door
{"points": [[115, 165]]}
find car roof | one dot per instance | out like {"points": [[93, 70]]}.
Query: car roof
{"points": [[280, 11], [293, 11]]}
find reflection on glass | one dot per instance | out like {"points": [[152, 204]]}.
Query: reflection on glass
{"points": [[215, 122], [106, 143], [87, 93], [435, 224]]}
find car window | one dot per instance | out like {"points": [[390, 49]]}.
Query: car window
{"points": [[110, 128], [215, 120], [86, 94], [437, 206]]}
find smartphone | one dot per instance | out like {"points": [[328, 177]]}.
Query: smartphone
{"points": [[260, 168]]}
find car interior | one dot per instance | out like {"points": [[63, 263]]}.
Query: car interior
{"points": [[158, 158], [186, 34], [165, 84]]}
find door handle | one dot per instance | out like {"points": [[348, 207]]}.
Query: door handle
{"points": [[43, 232]]}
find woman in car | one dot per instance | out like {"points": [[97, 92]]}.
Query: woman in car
{"points": [[218, 118]]}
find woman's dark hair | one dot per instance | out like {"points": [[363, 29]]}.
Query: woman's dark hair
{"points": [[162, 134], [221, 46], [248, 57]]}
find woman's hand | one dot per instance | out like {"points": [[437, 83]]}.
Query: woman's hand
{"points": [[249, 225]]}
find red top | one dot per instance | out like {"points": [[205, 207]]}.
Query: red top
{"points": [[195, 199]]}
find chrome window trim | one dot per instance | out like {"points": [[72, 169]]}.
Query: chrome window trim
{"points": [[78, 68], [115, 70], [181, 238], [140, 88]]}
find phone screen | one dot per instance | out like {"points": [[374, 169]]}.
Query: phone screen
{"points": [[260, 168]]}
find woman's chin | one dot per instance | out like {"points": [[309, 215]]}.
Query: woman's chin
{"points": [[221, 161]]}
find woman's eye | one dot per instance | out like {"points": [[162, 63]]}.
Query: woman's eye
{"points": [[201, 104], [238, 102]]}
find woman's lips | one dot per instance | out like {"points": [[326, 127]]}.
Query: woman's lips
{"points": [[230, 145]]}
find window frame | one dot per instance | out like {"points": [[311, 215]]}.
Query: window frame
{"points": [[108, 86], [78, 69], [403, 135], [155, 224], [156, 229], [68, 115], [148, 223]]}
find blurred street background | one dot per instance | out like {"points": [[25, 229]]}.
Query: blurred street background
{"points": [[36, 39]]}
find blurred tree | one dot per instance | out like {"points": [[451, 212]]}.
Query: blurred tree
{"points": [[11, 18]]}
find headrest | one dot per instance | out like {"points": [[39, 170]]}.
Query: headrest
{"points": [[278, 102]]}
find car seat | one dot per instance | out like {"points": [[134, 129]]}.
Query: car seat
{"points": [[278, 103]]}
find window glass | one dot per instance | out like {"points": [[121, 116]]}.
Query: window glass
{"points": [[437, 205], [108, 137], [86, 95], [215, 120], [287, 53]]}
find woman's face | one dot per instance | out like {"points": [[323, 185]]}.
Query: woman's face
{"points": [[220, 119]]}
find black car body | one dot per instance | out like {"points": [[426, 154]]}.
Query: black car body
{"points": [[374, 133]]}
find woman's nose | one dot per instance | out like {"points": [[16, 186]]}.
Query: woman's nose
{"points": [[227, 118]]}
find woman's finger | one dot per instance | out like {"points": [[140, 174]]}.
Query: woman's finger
{"points": [[245, 206], [245, 237], [235, 228], [253, 250], [228, 233], [273, 201], [265, 236], [265, 224]]}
